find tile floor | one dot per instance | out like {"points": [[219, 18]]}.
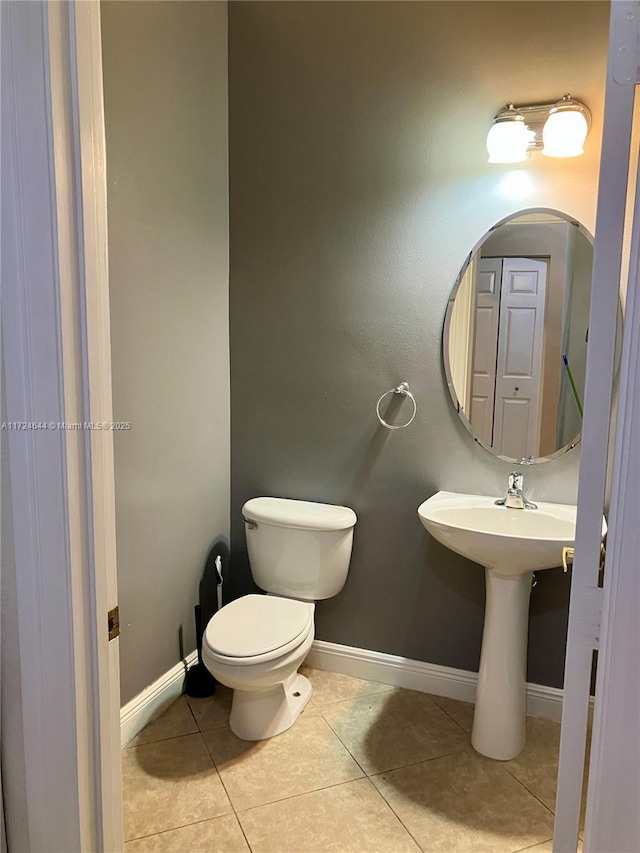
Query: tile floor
{"points": [[367, 767]]}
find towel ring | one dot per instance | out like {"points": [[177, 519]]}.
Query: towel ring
{"points": [[403, 388]]}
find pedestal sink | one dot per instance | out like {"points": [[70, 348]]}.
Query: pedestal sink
{"points": [[511, 544]]}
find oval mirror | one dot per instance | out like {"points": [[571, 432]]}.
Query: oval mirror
{"points": [[515, 336]]}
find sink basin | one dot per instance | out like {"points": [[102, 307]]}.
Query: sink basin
{"points": [[510, 544], [509, 541]]}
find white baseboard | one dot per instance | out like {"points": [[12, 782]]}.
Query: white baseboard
{"points": [[460, 684], [153, 700], [542, 701]]}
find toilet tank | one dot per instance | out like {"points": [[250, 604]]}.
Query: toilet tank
{"points": [[298, 549]]}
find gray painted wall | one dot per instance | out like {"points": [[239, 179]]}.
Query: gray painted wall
{"points": [[165, 84], [359, 184]]}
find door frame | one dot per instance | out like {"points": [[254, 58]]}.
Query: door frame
{"points": [[606, 618], [57, 360], [614, 762]]}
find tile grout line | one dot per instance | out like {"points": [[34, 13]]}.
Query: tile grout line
{"points": [[416, 763], [390, 769], [197, 722], [531, 846], [235, 810], [393, 811], [178, 737], [200, 734], [354, 698], [128, 748], [397, 816], [533, 794], [132, 743], [215, 767], [444, 711], [518, 850], [341, 742], [319, 709], [175, 828], [244, 834], [193, 716], [304, 794]]}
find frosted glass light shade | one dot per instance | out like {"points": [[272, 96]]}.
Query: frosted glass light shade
{"points": [[508, 141], [564, 132]]}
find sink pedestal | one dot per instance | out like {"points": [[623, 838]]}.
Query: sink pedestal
{"points": [[500, 711], [515, 543]]}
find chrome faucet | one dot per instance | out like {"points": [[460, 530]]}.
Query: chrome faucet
{"points": [[515, 498]]}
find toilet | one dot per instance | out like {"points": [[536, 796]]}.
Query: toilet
{"points": [[299, 553]]}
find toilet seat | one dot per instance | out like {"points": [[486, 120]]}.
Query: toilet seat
{"points": [[257, 628]]}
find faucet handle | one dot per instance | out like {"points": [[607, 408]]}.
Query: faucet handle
{"points": [[516, 480]]}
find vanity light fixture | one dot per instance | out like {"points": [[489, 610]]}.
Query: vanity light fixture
{"points": [[557, 129], [509, 137], [566, 129]]}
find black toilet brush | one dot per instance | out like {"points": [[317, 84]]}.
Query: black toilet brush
{"points": [[199, 681]]}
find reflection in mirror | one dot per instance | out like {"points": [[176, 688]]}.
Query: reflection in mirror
{"points": [[518, 312]]}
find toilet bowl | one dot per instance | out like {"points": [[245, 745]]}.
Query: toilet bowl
{"points": [[299, 552], [255, 645]]}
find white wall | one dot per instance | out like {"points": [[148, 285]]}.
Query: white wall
{"points": [[165, 83]]}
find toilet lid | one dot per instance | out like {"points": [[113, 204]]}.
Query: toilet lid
{"points": [[257, 624]]}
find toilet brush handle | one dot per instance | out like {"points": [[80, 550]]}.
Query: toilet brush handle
{"points": [[197, 612]]}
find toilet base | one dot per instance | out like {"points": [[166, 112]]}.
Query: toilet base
{"points": [[261, 714]]}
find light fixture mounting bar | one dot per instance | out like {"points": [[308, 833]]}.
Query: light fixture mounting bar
{"points": [[535, 116]]}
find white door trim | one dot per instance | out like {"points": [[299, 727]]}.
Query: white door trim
{"points": [[586, 596], [614, 765], [87, 90], [55, 347]]}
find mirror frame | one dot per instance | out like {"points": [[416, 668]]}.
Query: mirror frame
{"points": [[447, 323]]}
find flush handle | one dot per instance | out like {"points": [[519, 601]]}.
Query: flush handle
{"points": [[251, 525]]}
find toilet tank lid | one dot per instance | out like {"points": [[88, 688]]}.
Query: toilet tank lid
{"points": [[303, 515]]}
